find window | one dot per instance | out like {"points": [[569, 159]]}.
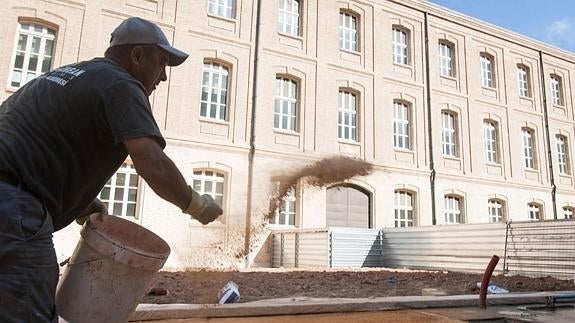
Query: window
{"points": [[534, 211], [496, 210], [448, 134], [32, 56], [486, 70], [285, 213], [400, 40], [562, 155], [490, 137], [347, 116], [446, 59], [348, 31], [214, 91], [285, 110], [568, 213], [403, 205], [523, 80], [556, 94], [209, 182], [400, 125], [528, 147], [222, 8], [288, 17], [121, 191], [453, 214]]}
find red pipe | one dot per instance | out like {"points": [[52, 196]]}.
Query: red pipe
{"points": [[485, 281]]}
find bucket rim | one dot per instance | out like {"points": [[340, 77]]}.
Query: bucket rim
{"points": [[93, 228]]}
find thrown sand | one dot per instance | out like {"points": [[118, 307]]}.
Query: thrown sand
{"points": [[323, 173]]}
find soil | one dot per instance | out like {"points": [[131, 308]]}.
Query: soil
{"points": [[202, 286]]}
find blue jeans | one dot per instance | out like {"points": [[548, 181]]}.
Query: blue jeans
{"points": [[28, 264]]}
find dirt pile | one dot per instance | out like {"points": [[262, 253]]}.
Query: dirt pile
{"points": [[201, 287]]}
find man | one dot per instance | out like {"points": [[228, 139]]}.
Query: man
{"points": [[62, 136]]}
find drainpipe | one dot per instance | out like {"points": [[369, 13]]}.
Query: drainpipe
{"points": [[252, 139], [548, 135], [429, 129]]}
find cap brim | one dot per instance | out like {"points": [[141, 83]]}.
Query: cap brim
{"points": [[177, 57]]}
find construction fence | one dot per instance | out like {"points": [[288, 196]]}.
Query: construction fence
{"points": [[535, 249]]}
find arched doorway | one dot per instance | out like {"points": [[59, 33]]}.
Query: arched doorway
{"points": [[348, 206]]}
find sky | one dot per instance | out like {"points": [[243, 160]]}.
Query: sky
{"points": [[550, 21]]}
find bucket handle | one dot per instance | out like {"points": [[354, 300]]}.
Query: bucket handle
{"points": [[68, 263]]}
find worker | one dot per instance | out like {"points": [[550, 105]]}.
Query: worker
{"points": [[62, 136]]}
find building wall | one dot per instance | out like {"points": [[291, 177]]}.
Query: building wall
{"points": [[313, 59]]}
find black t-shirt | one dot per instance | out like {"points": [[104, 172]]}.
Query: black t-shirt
{"points": [[61, 134]]}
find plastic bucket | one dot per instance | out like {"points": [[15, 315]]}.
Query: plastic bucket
{"points": [[110, 270]]}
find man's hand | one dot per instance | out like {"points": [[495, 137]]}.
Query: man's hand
{"points": [[96, 206], [203, 208]]}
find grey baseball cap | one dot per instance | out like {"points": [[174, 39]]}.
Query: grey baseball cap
{"points": [[138, 31]]}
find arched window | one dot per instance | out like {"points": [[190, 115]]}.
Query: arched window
{"points": [[523, 80], [449, 133], [400, 43], [496, 210], [534, 212], [556, 89], [222, 8], [453, 209], [568, 212], [286, 212], [403, 205], [487, 73], [529, 160], [33, 54], [401, 125], [563, 155], [446, 58], [214, 100], [288, 17], [348, 31], [490, 135], [347, 115], [286, 104]]}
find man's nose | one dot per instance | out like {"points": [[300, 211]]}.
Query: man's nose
{"points": [[163, 76]]}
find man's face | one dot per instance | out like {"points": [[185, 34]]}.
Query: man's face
{"points": [[151, 68]]}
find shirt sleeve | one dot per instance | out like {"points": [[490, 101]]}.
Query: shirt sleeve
{"points": [[129, 114]]}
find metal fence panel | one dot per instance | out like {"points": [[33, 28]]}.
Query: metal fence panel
{"points": [[313, 249], [289, 252], [352, 247], [277, 250], [544, 248], [467, 247], [300, 248]]}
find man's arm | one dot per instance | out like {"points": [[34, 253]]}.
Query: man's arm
{"points": [[158, 170], [96, 206]]}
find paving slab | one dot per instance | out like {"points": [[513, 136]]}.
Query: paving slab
{"points": [[302, 305]]}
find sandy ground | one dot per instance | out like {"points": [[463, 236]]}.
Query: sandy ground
{"points": [[202, 286]]}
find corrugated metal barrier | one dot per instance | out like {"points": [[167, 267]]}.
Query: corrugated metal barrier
{"points": [[465, 247], [545, 248], [541, 249]]}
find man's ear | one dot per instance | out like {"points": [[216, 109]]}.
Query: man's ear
{"points": [[137, 54]]}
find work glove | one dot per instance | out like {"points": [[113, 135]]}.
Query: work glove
{"points": [[96, 206], [203, 208]]}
